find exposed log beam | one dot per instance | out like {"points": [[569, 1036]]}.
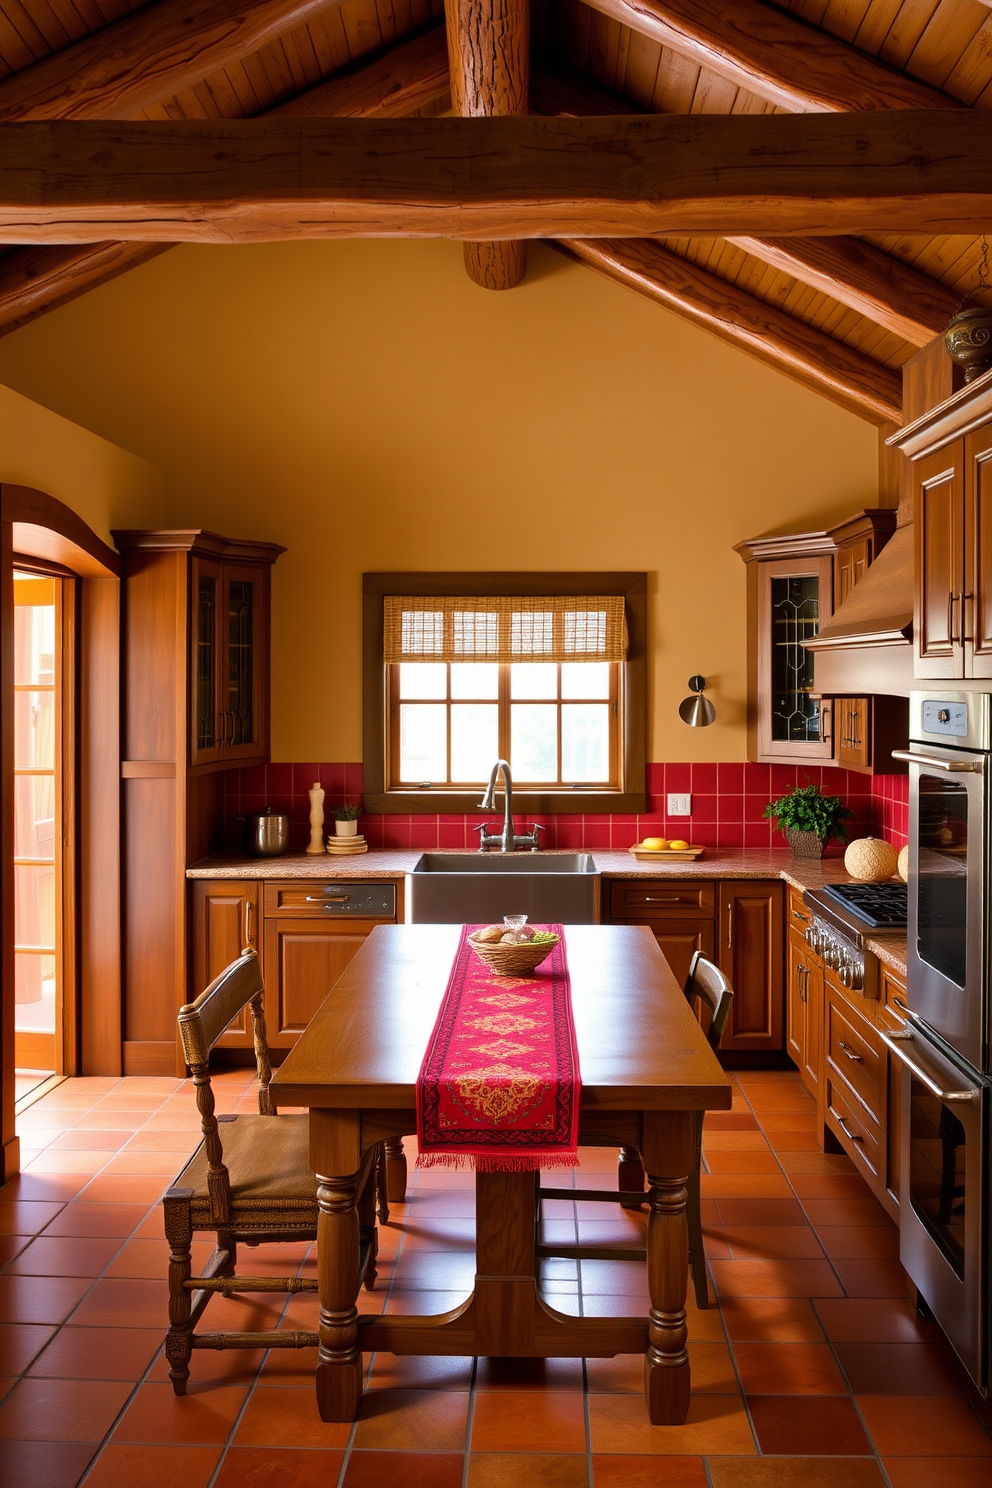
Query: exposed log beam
{"points": [[773, 55], [892, 294], [847, 377], [146, 56], [408, 76], [265, 180], [489, 57]]}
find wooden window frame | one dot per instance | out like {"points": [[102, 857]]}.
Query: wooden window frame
{"points": [[631, 796]]}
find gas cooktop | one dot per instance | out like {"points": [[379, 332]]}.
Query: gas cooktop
{"points": [[883, 906]]}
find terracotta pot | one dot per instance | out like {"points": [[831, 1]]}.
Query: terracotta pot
{"points": [[346, 829], [806, 844]]}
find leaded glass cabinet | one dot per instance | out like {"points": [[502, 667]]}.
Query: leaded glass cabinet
{"points": [[790, 595]]}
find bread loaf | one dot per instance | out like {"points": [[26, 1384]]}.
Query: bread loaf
{"points": [[489, 934]]}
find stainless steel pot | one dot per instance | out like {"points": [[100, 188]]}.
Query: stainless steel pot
{"points": [[266, 833]]}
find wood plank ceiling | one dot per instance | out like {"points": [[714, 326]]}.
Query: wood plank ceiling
{"points": [[841, 314]]}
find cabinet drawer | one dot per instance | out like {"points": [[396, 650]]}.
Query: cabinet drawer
{"points": [[855, 1056], [862, 1138], [328, 900], [799, 915], [659, 899]]}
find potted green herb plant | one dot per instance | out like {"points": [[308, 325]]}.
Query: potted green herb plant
{"points": [[346, 818], [809, 819]]}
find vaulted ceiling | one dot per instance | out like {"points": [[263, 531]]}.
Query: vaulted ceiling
{"points": [[839, 312]]}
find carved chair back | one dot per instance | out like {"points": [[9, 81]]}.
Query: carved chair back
{"points": [[706, 983], [201, 1024]]}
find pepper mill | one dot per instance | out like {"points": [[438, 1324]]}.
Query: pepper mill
{"points": [[316, 794]]}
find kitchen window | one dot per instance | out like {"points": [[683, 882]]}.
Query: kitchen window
{"points": [[544, 670]]}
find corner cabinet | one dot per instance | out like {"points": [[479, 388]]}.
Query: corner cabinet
{"points": [[195, 684], [951, 447]]}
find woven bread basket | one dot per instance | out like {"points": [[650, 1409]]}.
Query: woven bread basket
{"points": [[513, 960]]}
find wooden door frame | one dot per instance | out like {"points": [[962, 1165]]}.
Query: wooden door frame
{"points": [[35, 526]]}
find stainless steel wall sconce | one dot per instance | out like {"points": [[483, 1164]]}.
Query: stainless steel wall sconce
{"points": [[697, 711]]}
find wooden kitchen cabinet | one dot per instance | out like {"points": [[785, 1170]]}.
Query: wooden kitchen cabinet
{"points": [[229, 662], [867, 730], [225, 922], [804, 1011], [857, 543], [749, 950], [679, 912], [302, 961]]}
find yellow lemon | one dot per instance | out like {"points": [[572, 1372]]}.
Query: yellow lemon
{"points": [[656, 844], [677, 845]]}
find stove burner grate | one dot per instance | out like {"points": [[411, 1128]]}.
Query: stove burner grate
{"points": [[879, 905]]}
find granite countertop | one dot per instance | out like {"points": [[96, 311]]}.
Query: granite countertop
{"points": [[801, 873]]}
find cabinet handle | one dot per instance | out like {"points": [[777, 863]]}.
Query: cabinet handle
{"points": [[248, 924], [328, 899], [730, 924], [897, 1002], [663, 899], [797, 916], [858, 1059], [965, 636], [952, 638], [853, 1136], [826, 717]]}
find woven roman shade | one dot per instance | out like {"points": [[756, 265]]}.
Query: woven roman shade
{"points": [[504, 628]]}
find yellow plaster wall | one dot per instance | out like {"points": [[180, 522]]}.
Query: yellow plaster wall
{"points": [[103, 484], [367, 406]]}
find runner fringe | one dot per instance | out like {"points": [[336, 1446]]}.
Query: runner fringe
{"points": [[523, 1162]]}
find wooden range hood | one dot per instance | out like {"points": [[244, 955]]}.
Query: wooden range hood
{"points": [[867, 644]]}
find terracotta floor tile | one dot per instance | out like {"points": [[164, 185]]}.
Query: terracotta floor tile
{"points": [[937, 1472], [436, 1271], [859, 1242], [818, 1164], [409, 1372], [614, 1276], [744, 1186], [762, 1163], [149, 1259], [95, 1220], [875, 1320], [771, 1242], [20, 1343], [77, 1139], [44, 1188], [794, 1141], [143, 1161], [915, 1425], [808, 1426], [733, 1141], [716, 1423], [108, 1189], [871, 1278], [902, 1368], [50, 1161], [403, 1470], [776, 1122], [775, 1278], [524, 1470], [412, 1421], [788, 1369], [153, 1467], [64, 1257], [827, 1185], [711, 1365], [124, 1304], [529, 1374], [771, 1320], [98, 1353], [730, 1121], [528, 1421], [642, 1472], [762, 1212], [40, 1299], [840, 1211], [402, 1303], [202, 1417], [26, 1217], [797, 1472], [44, 1464], [62, 1410], [164, 1141], [280, 1467]]}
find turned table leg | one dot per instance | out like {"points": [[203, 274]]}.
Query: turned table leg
{"points": [[668, 1151], [334, 1139], [395, 1171]]}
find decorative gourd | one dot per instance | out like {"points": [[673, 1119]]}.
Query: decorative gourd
{"points": [[902, 866], [870, 859]]}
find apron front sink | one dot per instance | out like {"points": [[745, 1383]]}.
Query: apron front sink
{"points": [[469, 888]]}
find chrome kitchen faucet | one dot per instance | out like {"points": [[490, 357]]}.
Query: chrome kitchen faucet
{"points": [[508, 840]]}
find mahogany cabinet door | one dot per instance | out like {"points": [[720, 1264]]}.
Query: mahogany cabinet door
{"points": [[797, 953], [244, 700], [977, 602], [303, 960], [680, 940], [225, 920], [940, 550], [853, 737], [811, 1064], [784, 670], [850, 564], [206, 665], [751, 953]]}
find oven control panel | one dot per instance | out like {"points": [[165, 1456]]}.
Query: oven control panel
{"points": [[945, 720]]}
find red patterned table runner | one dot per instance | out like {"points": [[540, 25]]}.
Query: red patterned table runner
{"points": [[499, 1085]]}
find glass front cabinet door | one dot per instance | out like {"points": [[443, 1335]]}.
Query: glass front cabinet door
{"points": [[229, 662]]}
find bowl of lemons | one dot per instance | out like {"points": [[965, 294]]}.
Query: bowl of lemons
{"points": [[665, 847]]}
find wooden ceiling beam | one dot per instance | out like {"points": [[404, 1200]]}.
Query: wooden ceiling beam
{"points": [[774, 55], [654, 175], [399, 81], [895, 296], [845, 376], [489, 60]]}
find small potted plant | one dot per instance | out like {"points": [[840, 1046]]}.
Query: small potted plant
{"points": [[809, 819], [346, 818]]}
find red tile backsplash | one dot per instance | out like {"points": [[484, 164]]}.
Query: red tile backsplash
{"points": [[728, 802]]}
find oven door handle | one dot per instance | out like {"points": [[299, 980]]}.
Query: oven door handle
{"points": [[950, 766], [892, 1041]]}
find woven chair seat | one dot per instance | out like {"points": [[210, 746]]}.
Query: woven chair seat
{"points": [[267, 1159]]}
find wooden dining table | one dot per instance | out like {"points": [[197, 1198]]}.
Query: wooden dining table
{"points": [[645, 1068]]}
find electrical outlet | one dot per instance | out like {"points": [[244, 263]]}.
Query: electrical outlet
{"points": [[680, 806]]}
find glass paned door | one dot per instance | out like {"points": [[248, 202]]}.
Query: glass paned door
{"points": [[37, 819], [243, 625], [208, 723]]}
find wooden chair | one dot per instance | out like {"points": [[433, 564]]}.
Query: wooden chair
{"points": [[248, 1181], [705, 984]]}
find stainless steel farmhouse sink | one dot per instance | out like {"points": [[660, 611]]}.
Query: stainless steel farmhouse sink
{"points": [[464, 888]]}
